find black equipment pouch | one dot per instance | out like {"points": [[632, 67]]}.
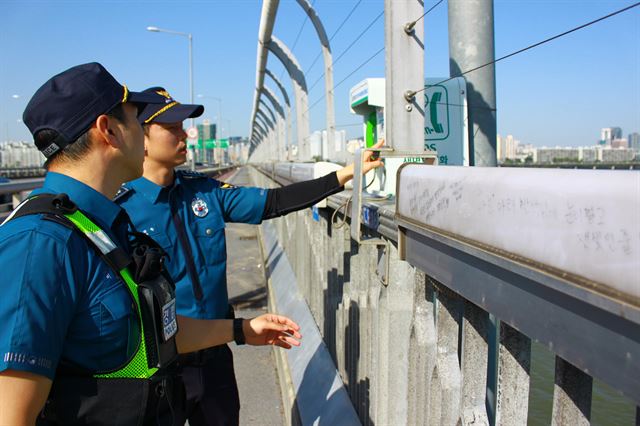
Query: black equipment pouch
{"points": [[157, 302]]}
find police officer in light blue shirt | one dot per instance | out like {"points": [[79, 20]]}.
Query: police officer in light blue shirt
{"points": [[74, 330], [186, 213]]}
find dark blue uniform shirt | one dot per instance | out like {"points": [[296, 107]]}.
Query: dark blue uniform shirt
{"points": [[60, 300], [200, 206]]}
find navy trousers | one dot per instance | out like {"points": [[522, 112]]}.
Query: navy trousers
{"points": [[211, 388]]}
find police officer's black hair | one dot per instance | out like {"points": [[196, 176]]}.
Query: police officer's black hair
{"points": [[78, 149]]}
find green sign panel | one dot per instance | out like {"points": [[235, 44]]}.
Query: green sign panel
{"points": [[213, 143]]}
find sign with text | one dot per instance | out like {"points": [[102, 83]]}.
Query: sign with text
{"points": [[446, 120]]}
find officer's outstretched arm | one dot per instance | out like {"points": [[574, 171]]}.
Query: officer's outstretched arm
{"points": [[268, 329], [22, 396]]}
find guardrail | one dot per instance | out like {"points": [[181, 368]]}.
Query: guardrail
{"points": [[20, 188], [450, 338]]}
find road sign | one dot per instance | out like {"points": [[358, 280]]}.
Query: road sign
{"points": [[192, 133]]}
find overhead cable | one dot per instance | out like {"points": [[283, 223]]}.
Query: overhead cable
{"points": [[344, 21], [538, 44], [349, 47]]}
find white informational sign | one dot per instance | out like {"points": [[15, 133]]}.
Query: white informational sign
{"points": [[446, 120]]}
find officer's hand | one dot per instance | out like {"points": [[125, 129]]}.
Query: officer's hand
{"points": [[271, 329], [345, 174]]}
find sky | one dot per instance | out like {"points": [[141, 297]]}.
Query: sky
{"points": [[561, 93]]}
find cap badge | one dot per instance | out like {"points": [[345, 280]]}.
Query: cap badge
{"points": [[166, 95], [199, 207]]}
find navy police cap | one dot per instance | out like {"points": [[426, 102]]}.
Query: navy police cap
{"points": [[70, 102], [171, 111]]}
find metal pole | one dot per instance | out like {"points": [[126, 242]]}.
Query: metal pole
{"points": [[404, 71], [471, 44], [193, 161]]}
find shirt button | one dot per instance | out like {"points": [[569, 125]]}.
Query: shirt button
{"points": [[208, 231]]}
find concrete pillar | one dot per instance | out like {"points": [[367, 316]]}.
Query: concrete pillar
{"points": [[422, 352], [571, 395], [446, 390], [514, 365]]}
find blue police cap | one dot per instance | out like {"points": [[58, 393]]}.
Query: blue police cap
{"points": [[70, 102], [171, 111]]}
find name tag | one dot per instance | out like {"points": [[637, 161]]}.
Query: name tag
{"points": [[169, 321]]}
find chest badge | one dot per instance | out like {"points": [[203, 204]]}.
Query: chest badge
{"points": [[199, 207]]}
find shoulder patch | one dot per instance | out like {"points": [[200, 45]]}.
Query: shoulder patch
{"points": [[188, 174], [121, 192], [224, 185]]}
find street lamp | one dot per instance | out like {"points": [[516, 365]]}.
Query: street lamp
{"points": [[189, 36]]}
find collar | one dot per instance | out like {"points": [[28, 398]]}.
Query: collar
{"points": [[86, 198]]}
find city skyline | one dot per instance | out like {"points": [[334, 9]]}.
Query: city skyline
{"points": [[551, 92]]}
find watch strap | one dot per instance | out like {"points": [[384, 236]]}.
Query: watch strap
{"points": [[238, 333]]}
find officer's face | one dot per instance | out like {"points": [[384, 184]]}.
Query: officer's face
{"points": [[134, 142], [166, 144]]}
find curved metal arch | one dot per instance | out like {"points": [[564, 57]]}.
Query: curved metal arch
{"points": [[263, 132], [286, 141], [280, 123], [268, 109], [268, 93], [270, 125], [328, 70], [285, 96], [282, 52]]}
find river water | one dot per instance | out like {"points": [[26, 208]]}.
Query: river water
{"points": [[608, 406]]}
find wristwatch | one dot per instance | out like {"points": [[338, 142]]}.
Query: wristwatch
{"points": [[238, 333]]}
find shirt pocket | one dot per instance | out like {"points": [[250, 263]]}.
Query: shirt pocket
{"points": [[161, 238], [211, 240], [116, 314]]}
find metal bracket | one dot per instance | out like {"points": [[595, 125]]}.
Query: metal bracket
{"points": [[428, 157]]}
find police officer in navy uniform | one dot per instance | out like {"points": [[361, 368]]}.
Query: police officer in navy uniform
{"points": [[88, 317], [186, 213]]}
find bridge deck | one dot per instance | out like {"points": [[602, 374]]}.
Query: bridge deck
{"points": [[260, 399]]}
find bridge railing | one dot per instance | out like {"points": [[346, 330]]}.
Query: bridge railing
{"points": [[448, 339], [13, 192]]}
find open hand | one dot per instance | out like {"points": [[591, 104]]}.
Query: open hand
{"points": [[345, 174], [271, 329]]}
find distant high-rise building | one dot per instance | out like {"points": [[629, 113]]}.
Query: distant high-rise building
{"points": [[608, 134], [617, 155], [20, 154], [619, 143], [634, 141], [206, 130], [558, 155], [506, 148]]}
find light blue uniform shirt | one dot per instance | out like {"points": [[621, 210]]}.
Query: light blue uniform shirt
{"points": [[203, 206], [60, 300]]}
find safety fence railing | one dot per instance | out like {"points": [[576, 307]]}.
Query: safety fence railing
{"points": [[454, 333], [14, 191]]}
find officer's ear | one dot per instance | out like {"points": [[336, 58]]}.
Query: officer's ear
{"points": [[107, 131]]}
